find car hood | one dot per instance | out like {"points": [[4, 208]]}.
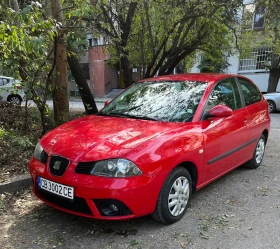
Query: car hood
{"points": [[98, 137]]}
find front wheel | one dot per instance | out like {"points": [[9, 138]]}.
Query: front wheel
{"points": [[174, 196], [256, 161]]}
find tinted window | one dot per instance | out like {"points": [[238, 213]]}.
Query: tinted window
{"points": [[164, 101], [225, 93], [250, 92]]}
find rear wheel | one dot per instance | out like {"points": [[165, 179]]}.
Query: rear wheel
{"points": [[174, 196], [256, 161], [271, 106], [14, 99]]}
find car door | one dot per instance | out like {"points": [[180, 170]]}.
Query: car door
{"points": [[4, 88], [257, 111], [225, 138]]}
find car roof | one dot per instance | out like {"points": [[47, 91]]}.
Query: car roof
{"points": [[202, 77], [6, 77]]}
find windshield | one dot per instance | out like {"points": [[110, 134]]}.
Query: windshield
{"points": [[167, 101]]}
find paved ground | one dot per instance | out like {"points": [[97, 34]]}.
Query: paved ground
{"points": [[240, 210], [75, 104]]}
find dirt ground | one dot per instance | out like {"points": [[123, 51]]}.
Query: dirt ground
{"points": [[239, 210]]}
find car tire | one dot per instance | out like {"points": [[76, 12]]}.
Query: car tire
{"points": [[178, 182], [256, 161], [14, 99], [271, 106]]}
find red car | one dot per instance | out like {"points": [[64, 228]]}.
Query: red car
{"points": [[151, 147]]}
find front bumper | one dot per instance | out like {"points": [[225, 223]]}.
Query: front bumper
{"points": [[93, 195]]}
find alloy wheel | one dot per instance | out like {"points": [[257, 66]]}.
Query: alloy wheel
{"points": [[260, 151], [178, 196], [15, 100]]}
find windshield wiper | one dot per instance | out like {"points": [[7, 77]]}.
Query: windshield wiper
{"points": [[123, 115]]}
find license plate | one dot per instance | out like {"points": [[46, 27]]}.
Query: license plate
{"points": [[56, 188]]}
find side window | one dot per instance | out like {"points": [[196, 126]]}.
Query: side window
{"points": [[250, 92], [225, 93], [5, 81]]}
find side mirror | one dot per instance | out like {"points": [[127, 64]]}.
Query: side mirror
{"points": [[107, 103], [219, 111]]}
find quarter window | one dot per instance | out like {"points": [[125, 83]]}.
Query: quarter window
{"points": [[250, 92], [225, 93]]}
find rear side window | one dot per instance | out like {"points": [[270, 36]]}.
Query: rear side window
{"points": [[3, 81], [250, 92]]}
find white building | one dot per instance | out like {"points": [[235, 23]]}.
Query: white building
{"points": [[254, 66]]}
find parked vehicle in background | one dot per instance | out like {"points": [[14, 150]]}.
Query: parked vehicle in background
{"points": [[273, 100], [11, 90], [151, 147]]}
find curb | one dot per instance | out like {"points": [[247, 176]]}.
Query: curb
{"points": [[17, 183]]}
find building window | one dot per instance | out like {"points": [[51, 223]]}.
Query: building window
{"points": [[258, 62], [259, 18], [253, 17]]}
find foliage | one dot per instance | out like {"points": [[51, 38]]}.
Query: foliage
{"points": [[212, 65], [267, 37], [28, 41], [163, 33], [18, 138], [26, 45]]}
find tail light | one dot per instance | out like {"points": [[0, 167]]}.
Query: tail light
{"points": [[19, 87]]}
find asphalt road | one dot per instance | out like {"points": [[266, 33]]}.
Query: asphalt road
{"points": [[239, 210], [73, 105]]}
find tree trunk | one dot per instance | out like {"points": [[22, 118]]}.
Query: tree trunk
{"points": [[126, 71], [60, 95], [15, 5], [274, 72], [274, 76], [78, 74]]}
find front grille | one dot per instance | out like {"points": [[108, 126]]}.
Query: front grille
{"points": [[58, 165], [44, 157], [78, 205], [84, 168], [104, 207]]}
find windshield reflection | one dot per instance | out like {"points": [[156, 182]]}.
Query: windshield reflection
{"points": [[169, 101]]}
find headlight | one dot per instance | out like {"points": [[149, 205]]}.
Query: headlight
{"points": [[116, 168], [38, 151]]}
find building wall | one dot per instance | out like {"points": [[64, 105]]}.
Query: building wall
{"points": [[111, 78], [260, 79], [103, 77]]}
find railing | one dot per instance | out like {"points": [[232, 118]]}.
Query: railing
{"points": [[259, 61]]}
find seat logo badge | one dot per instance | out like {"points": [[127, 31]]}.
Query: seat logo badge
{"points": [[56, 165]]}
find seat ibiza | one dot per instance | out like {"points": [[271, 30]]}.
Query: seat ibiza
{"points": [[149, 149]]}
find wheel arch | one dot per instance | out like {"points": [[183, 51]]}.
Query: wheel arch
{"points": [[14, 95], [192, 169], [265, 133]]}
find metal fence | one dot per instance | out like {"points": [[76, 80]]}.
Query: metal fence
{"points": [[259, 61]]}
